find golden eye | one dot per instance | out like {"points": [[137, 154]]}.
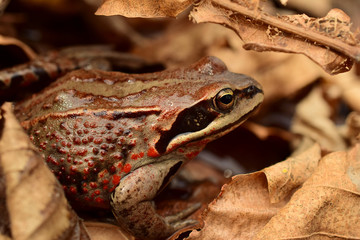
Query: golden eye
{"points": [[224, 100]]}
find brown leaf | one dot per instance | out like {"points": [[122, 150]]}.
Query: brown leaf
{"points": [[145, 9], [326, 207], [328, 41], [313, 120], [249, 201], [105, 231], [285, 177], [35, 202]]}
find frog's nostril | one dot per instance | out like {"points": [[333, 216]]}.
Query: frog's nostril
{"points": [[251, 91]]}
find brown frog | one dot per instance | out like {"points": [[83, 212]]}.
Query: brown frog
{"points": [[114, 140]]}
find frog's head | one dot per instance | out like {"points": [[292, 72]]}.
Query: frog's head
{"points": [[209, 103]]}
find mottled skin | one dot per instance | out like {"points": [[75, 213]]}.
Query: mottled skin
{"points": [[115, 140], [29, 77]]}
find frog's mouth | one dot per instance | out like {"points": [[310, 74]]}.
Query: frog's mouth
{"points": [[202, 122]]}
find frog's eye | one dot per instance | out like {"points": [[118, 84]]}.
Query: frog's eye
{"points": [[224, 100]]}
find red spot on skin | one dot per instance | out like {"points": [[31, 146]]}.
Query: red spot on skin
{"points": [[76, 126], [119, 131], [73, 168], [181, 150], [82, 152], [120, 165], [117, 156], [77, 140], [99, 200], [73, 190], [192, 154], [84, 184], [32, 138], [68, 144], [62, 125], [86, 171], [104, 146], [68, 159], [68, 132], [116, 180], [95, 151], [85, 190], [141, 154], [102, 153], [112, 169], [105, 187], [84, 141], [49, 158], [62, 159], [63, 143], [132, 142], [86, 131], [93, 125], [98, 140], [152, 152], [86, 124], [97, 192], [105, 181], [93, 184], [109, 126], [43, 145], [108, 139], [90, 138], [79, 132], [127, 168], [91, 164], [64, 187], [61, 150]]}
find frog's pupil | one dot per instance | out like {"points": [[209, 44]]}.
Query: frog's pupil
{"points": [[226, 99]]}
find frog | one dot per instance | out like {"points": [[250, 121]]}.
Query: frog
{"points": [[115, 140], [20, 80]]}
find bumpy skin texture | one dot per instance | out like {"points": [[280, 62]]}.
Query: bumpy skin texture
{"points": [[115, 140]]}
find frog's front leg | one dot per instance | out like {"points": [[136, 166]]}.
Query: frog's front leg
{"points": [[133, 206]]}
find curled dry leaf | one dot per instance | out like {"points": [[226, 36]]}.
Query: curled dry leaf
{"points": [[145, 9], [35, 202], [313, 120], [13, 41], [326, 207], [328, 41], [353, 127], [245, 205]]}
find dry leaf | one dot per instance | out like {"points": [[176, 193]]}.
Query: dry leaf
{"points": [[353, 127], [328, 41], [4, 40], [285, 177], [35, 202], [105, 231], [326, 207], [313, 120], [245, 205], [145, 9]]}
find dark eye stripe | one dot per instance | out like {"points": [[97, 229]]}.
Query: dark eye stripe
{"points": [[191, 119]]}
